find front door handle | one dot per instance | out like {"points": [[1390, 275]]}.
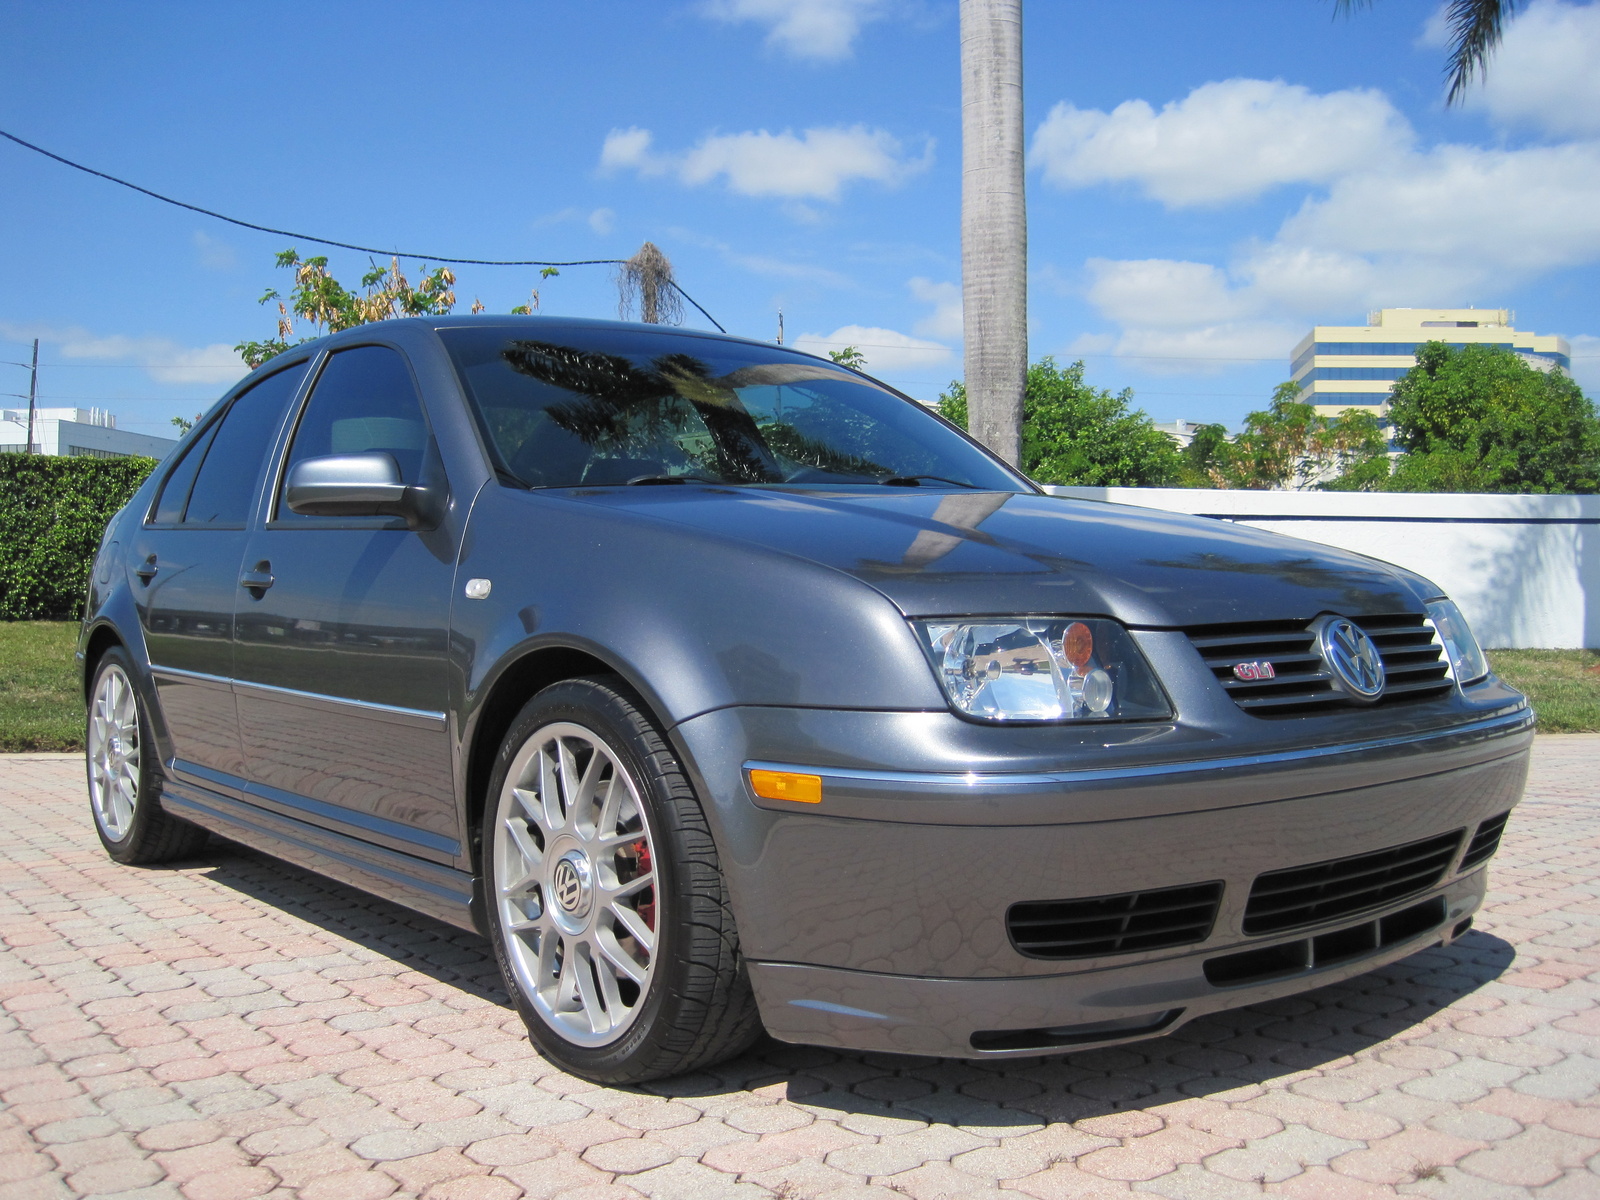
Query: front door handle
{"points": [[147, 569], [257, 579]]}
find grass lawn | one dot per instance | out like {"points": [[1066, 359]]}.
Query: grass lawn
{"points": [[40, 708], [40, 705], [1564, 685]]}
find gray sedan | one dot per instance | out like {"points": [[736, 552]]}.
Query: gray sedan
{"points": [[724, 688]]}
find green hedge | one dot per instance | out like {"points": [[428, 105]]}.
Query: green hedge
{"points": [[52, 513]]}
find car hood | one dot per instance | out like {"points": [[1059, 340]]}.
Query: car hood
{"points": [[946, 553]]}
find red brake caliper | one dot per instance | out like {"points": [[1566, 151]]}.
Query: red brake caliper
{"points": [[645, 908]]}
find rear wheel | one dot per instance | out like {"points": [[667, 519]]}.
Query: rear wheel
{"points": [[608, 911], [124, 778]]}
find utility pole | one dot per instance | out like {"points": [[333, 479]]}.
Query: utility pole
{"points": [[33, 393], [994, 224]]}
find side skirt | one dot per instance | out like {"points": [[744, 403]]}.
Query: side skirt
{"points": [[440, 892]]}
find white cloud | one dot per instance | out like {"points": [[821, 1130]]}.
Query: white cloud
{"points": [[1546, 72], [1521, 211], [1223, 142], [1201, 350], [816, 165], [945, 320], [820, 30], [1160, 292], [1399, 226], [602, 221], [163, 359], [885, 349]]}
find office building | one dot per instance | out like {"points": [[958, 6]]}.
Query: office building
{"points": [[1355, 366]]}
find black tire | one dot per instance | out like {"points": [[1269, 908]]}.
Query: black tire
{"points": [[695, 1006], [125, 802]]}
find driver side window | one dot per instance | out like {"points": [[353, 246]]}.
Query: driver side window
{"points": [[364, 401]]}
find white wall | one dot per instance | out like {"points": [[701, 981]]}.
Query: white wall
{"points": [[1524, 569]]}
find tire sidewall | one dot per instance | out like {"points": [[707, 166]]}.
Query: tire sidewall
{"points": [[601, 706], [147, 798]]}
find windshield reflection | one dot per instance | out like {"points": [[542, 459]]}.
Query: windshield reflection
{"points": [[564, 415]]}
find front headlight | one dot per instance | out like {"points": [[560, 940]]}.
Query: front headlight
{"points": [[1043, 669], [1467, 661]]}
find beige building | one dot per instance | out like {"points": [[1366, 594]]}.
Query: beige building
{"points": [[1354, 366]]}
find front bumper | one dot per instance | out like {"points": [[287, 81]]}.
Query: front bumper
{"points": [[999, 1018], [877, 919]]}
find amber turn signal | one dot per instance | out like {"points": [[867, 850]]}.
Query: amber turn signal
{"points": [[787, 785]]}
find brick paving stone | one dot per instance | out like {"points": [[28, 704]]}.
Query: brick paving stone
{"points": [[233, 1028]]}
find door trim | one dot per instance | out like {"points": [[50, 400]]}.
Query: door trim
{"points": [[415, 718]]}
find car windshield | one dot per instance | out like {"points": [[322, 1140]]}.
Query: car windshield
{"points": [[590, 408]]}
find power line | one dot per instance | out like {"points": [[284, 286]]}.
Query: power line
{"points": [[306, 237]]}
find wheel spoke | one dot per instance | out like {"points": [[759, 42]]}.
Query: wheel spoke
{"points": [[583, 802], [554, 817], [618, 957], [593, 1006], [634, 924], [632, 888]]}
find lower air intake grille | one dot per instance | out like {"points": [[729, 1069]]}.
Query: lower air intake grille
{"points": [[1414, 666], [1096, 925], [1485, 842], [1302, 896]]}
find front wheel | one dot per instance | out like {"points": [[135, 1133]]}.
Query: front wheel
{"points": [[608, 911], [124, 778]]}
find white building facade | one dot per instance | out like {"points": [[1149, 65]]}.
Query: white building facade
{"points": [[80, 432]]}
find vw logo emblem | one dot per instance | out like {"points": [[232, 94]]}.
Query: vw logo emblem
{"points": [[569, 883], [1352, 657]]}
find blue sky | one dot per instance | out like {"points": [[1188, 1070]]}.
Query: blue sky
{"points": [[1206, 180]]}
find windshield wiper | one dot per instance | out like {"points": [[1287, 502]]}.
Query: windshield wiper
{"points": [[916, 481], [648, 480]]}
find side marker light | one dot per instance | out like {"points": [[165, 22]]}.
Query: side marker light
{"points": [[787, 785]]}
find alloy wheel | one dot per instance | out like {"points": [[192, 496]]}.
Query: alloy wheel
{"points": [[575, 882], [113, 747]]}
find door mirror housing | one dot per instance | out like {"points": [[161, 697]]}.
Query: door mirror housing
{"points": [[358, 485]]}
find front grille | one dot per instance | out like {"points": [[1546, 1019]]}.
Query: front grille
{"points": [[1302, 896], [1327, 949], [1096, 925], [1414, 665], [1485, 842]]}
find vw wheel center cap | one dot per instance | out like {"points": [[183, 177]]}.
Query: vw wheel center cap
{"points": [[572, 885], [1352, 658]]}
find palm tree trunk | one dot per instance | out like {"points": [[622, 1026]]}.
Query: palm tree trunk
{"points": [[994, 223]]}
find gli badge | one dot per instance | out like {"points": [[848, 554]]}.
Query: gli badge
{"points": [[1254, 672]]}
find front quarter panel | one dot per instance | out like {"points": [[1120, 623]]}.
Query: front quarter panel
{"points": [[695, 621]]}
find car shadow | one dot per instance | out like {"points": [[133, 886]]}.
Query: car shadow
{"points": [[1213, 1054]]}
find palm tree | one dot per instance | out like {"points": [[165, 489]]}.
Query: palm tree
{"points": [[1476, 27], [994, 223]]}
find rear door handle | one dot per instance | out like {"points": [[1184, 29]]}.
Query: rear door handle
{"points": [[258, 579], [147, 569]]}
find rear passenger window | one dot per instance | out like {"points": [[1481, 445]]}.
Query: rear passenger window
{"points": [[363, 401], [175, 491], [226, 485]]}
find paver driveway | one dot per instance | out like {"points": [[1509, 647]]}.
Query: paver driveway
{"points": [[234, 1028]]}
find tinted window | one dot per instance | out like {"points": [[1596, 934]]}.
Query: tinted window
{"points": [[175, 491], [624, 406], [364, 401], [226, 484]]}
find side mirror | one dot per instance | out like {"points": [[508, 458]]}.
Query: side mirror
{"points": [[357, 485]]}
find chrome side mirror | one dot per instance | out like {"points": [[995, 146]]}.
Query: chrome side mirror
{"points": [[357, 485]]}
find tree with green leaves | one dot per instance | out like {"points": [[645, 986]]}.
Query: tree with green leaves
{"points": [[330, 306], [1074, 433], [850, 356], [1480, 419], [1290, 445]]}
